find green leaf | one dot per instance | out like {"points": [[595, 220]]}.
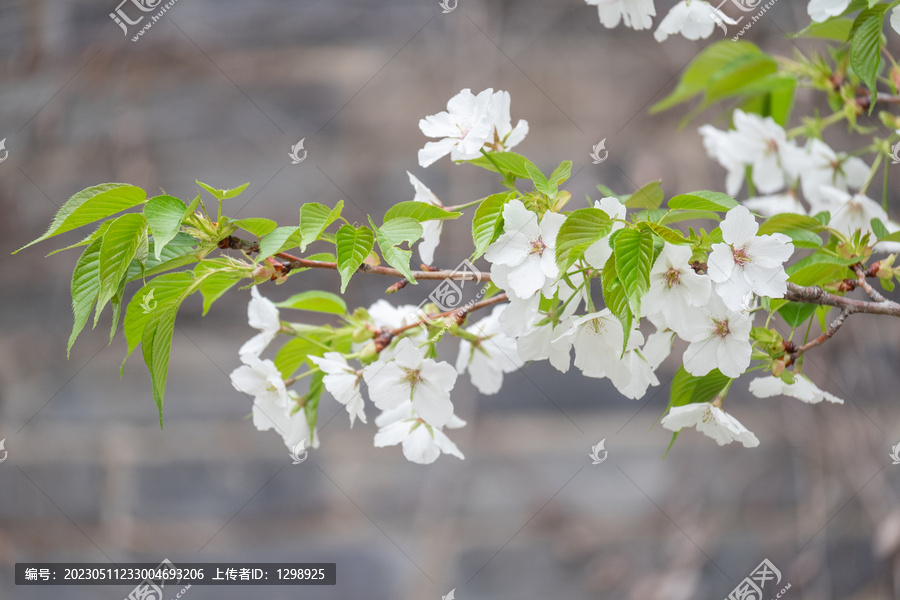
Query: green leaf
{"points": [[510, 162], [835, 29], [214, 285], [126, 236], [487, 224], [168, 290], [669, 235], [316, 301], [703, 200], [879, 229], [819, 268], [156, 345], [391, 235], [101, 229], [89, 205], [541, 183], [779, 223], [893, 237], [648, 197], [732, 79], [257, 226], [866, 43], [314, 219], [420, 211], [182, 250], [353, 246], [615, 297], [796, 313], [689, 389], [85, 288], [581, 228], [164, 215], [279, 240], [634, 258], [560, 174], [294, 354], [708, 65], [223, 194]]}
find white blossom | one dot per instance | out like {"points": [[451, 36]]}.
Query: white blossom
{"points": [[825, 167], [822, 10], [540, 342], [342, 382], [720, 147], [802, 389], [260, 379], [747, 262], [464, 128], [431, 230], [637, 14], [599, 252], [493, 355], [711, 421], [675, 288], [262, 315], [719, 339], [598, 339], [762, 143], [895, 19], [422, 443], [273, 405], [851, 213], [694, 19], [527, 248], [500, 122], [775, 204], [411, 376]]}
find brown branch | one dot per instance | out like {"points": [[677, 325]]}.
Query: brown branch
{"points": [[294, 262], [816, 295]]}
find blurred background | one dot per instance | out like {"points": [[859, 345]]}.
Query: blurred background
{"points": [[220, 91]]}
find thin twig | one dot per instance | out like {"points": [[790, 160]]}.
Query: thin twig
{"points": [[295, 262], [861, 277], [832, 329]]}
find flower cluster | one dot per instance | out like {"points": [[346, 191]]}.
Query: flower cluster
{"points": [[780, 170]]}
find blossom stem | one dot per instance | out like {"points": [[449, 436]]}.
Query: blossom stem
{"points": [[293, 380], [457, 207], [870, 291]]}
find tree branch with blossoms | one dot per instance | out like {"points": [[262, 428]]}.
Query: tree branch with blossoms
{"points": [[612, 287]]}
